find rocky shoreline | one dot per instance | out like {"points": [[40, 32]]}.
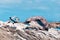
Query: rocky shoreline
{"points": [[34, 28]]}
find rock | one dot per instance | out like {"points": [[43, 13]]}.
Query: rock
{"points": [[13, 34], [28, 30], [5, 36], [20, 26], [2, 23], [54, 32], [37, 21]]}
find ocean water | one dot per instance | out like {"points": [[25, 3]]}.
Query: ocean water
{"points": [[49, 9]]}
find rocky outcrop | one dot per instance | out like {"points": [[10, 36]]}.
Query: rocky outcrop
{"points": [[54, 24], [37, 21], [32, 29], [10, 34]]}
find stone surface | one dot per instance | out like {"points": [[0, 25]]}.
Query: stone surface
{"points": [[30, 31], [37, 21], [11, 34]]}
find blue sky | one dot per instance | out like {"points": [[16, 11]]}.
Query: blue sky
{"points": [[50, 9]]}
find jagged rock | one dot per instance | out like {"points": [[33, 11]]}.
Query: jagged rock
{"points": [[54, 24], [54, 32], [5, 36], [37, 21], [13, 34], [30, 31]]}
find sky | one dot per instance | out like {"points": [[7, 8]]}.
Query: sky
{"points": [[49, 9]]}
